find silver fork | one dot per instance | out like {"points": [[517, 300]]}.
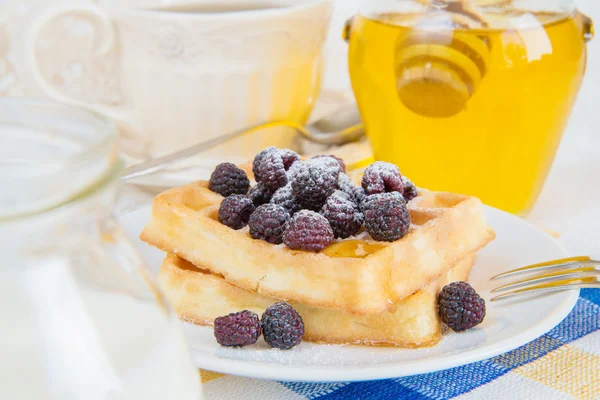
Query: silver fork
{"points": [[552, 276]]}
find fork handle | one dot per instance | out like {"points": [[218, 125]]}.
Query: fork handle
{"points": [[529, 291]]}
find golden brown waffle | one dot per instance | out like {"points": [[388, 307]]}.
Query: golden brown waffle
{"points": [[199, 297], [446, 228]]}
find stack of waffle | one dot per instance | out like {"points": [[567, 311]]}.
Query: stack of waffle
{"points": [[357, 291]]}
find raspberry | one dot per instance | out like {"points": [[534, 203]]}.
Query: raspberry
{"points": [[235, 211], [313, 184], [359, 195], [368, 201], [342, 195], [259, 194], [330, 163], [460, 307], [308, 231], [227, 179], [356, 193], [271, 171], [410, 190], [386, 216], [282, 326], [343, 215], [268, 223], [259, 157], [289, 157], [345, 184], [341, 162], [285, 198], [237, 329], [382, 177], [293, 171]]}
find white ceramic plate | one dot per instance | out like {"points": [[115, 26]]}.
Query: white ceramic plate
{"points": [[507, 326]]}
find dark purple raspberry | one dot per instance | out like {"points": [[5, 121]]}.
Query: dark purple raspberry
{"points": [[285, 198], [227, 179], [289, 157], [235, 211], [268, 223], [291, 173], [460, 307], [308, 231], [368, 200], [313, 184], [341, 162], [282, 326], [259, 194], [258, 159], [386, 216], [343, 215], [237, 329], [272, 171], [359, 195], [346, 185], [410, 190], [342, 195], [331, 164], [382, 177]]}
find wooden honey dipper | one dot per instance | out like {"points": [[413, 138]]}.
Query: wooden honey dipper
{"points": [[438, 66]]}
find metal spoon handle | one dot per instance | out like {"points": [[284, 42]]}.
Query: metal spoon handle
{"points": [[151, 166]]}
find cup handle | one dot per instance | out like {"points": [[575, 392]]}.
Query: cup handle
{"points": [[108, 42]]}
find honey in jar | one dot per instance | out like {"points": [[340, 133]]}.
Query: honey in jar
{"points": [[469, 96]]}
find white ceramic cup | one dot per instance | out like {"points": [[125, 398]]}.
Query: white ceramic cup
{"points": [[191, 73]]}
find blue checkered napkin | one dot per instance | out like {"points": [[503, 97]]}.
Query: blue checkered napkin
{"points": [[552, 355]]}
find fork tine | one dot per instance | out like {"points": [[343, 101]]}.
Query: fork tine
{"points": [[579, 272], [566, 284], [550, 265]]}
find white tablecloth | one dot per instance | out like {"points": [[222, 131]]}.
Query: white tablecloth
{"points": [[570, 201]]}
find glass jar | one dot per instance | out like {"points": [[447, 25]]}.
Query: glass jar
{"points": [[469, 96], [81, 316]]}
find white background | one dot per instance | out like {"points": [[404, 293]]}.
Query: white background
{"points": [[570, 201]]}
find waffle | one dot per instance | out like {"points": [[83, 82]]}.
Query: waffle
{"points": [[446, 228], [199, 297]]}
